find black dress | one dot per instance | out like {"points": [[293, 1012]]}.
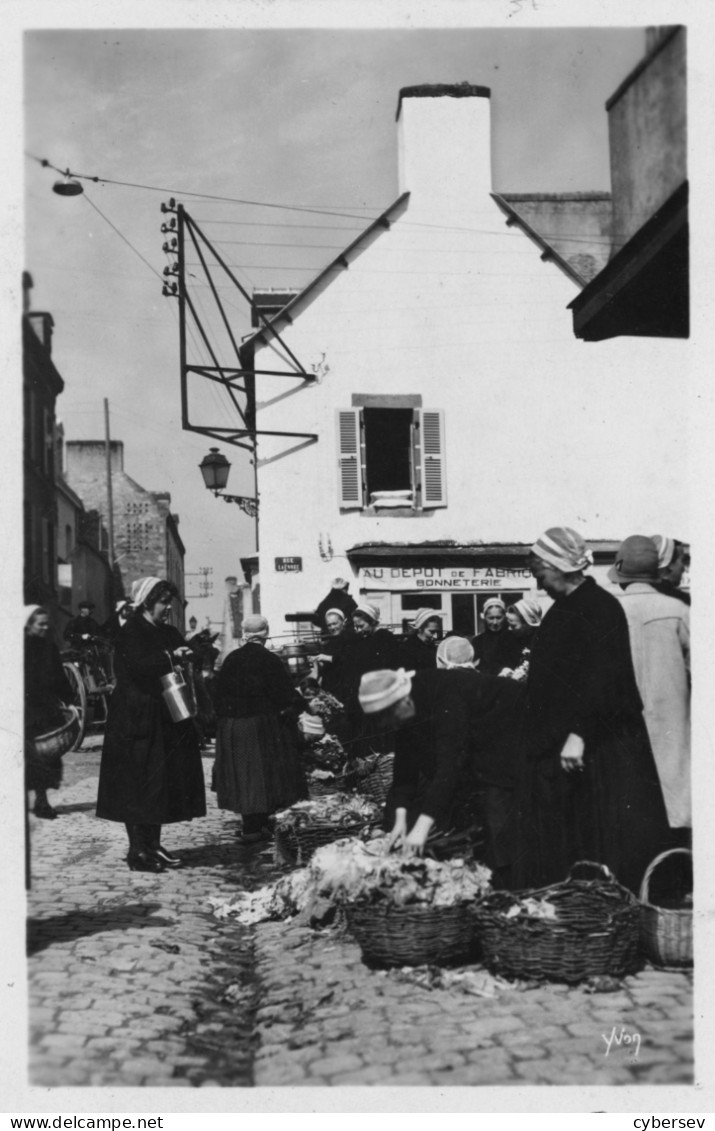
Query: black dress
{"points": [[335, 674], [581, 681], [417, 655], [366, 654], [151, 772], [496, 650], [46, 688], [457, 759], [78, 627], [258, 767]]}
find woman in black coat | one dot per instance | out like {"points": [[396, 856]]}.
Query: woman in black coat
{"points": [[418, 649], [329, 665], [496, 648], [258, 768], [589, 788], [371, 648], [455, 733], [150, 774], [46, 688]]}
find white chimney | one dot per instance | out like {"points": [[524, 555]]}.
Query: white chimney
{"points": [[444, 145]]}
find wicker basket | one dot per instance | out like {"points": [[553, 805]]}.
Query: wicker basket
{"points": [[413, 935], [295, 844], [595, 932], [376, 783], [666, 934], [55, 743]]}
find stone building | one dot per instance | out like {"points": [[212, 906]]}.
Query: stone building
{"points": [[83, 570], [146, 534], [63, 559], [41, 385]]}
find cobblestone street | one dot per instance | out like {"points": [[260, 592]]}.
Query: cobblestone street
{"points": [[134, 982]]}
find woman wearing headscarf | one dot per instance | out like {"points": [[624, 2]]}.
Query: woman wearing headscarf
{"points": [[455, 733], [258, 767], [419, 647], [338, 597], [659, 629], [329, 663], [46, 689], [369, 648], [672, 560], [150, 774], [523, 619], [588, 785], [495, 648]]}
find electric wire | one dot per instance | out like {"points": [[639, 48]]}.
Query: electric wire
{"points": [[318, 210], [199, 195]]}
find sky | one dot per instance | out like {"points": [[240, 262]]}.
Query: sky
{"points": [[282, 116]]}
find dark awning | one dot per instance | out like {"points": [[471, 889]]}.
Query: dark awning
{"points": [[644, 291], [445, 553]]}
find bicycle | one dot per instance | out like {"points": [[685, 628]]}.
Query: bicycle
{"points": [[91, 685]]}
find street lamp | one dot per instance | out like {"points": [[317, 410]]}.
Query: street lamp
{"points": [[214, 469], [67, 187]]}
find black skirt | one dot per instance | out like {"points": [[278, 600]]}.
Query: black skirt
{"points": [[258, 767]]}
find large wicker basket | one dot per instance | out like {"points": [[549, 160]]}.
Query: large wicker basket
{"points": [[666, 933], [55, 743], [295, 844], [595, 932], [413, 935], [376, 783]]}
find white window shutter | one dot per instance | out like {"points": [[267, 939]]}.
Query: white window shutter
{"points": [[350, 459], [434, 485]]}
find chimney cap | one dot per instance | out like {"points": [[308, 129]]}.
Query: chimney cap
{"points": [[441, 89]]}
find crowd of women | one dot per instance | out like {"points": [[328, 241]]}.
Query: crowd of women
{"points": [[567, 733]]}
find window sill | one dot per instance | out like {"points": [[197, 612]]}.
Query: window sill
{"points": [[390, 512]]}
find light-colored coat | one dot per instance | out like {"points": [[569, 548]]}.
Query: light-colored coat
{"points": [[659, 629]]}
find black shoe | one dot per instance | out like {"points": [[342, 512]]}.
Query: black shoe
{"points": [[143, 862], [254, 838], [44, 809], [167, 858]]}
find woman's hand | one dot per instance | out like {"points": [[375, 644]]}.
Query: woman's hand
{"points": [[572, 754], [414, 843], [182, 653], [399, 829]]}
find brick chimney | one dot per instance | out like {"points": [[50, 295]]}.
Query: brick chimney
{"points": [[444, 145]]}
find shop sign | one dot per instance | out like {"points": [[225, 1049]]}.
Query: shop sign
{"points": [[289, 565], [455, 578]]}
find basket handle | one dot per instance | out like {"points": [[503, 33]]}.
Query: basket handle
{"points": [[643, 895], [592, 864]]}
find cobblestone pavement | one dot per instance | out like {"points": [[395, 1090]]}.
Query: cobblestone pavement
{"points": [[134, 982]]}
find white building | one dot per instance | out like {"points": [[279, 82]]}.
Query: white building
{"points": [[455, 414]]}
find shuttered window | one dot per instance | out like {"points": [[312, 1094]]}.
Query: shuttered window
{"points": [[426, 457], [434, 489], [350, 460]]}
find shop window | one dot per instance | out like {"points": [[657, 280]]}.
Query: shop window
{"points": [[391, 457], [413, 601]]}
